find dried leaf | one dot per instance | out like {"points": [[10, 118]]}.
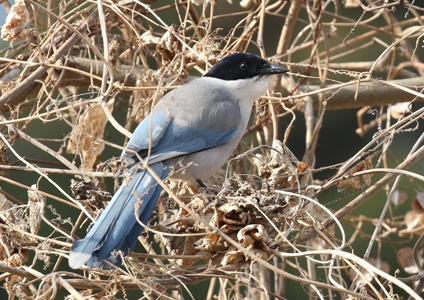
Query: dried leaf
{"points": [[256, 232], [36, 203], [351, 4], [231, 214], [261, 252], [399, 197], [414, 223], [369, 276], [83, 141], [6, 213], [354, 182], [142, 103], [418, 203], [283, 170], [14, 261], [6, 217], [240, 216], [3, 159], [212, 243], [232, 257], [406, 259], [17, 19], [399, 109], [246, 4]]}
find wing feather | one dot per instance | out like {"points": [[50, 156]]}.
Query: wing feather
{"points": [[194, 129]]}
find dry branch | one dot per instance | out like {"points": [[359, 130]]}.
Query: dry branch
{"points": [[368, 94], [83, 63]]}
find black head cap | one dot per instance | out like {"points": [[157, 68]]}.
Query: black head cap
{"points": [[243, 66]]}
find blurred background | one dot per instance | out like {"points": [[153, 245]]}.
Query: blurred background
{"points": [[326, 41]]}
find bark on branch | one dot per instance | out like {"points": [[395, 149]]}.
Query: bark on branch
{"points": [[370, 94]]}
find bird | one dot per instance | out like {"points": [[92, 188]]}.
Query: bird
{"points": [[188, 136]]}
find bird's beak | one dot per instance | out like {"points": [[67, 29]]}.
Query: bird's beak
{"points": [[269, 68]]}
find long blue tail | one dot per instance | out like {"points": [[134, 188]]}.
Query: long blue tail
{"points": [[117, 227]]}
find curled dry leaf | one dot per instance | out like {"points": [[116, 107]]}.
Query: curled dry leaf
{"points": [[354, 182], [142, 103], [405, 258], [11, 217], [253, 233], [232, 214], [212, 243], [418, 203], [351, 4], [414, 223], [240, 217], [368, 275], [84, 136], [17, 19], [400, 109], [168, 42], [36, 203], [6, 210], [14, 261], [89, 191], [246, 4], [6, 217], [232, 257], [314, 214], [178, 59], [14, 283], [399, 197], [148, 38], [283, 170], [3, 160], [167, 45]]}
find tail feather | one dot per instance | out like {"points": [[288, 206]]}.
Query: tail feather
{"points": [[128, 241], [117, 227]]}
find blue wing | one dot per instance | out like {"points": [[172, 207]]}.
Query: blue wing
{"points": [[170, 139], [152, 128]]}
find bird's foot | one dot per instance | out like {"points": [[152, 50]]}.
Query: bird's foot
{"points": [[205, 188]]}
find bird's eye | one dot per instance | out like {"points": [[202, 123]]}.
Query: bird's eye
{"points": [[244, 66]]}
